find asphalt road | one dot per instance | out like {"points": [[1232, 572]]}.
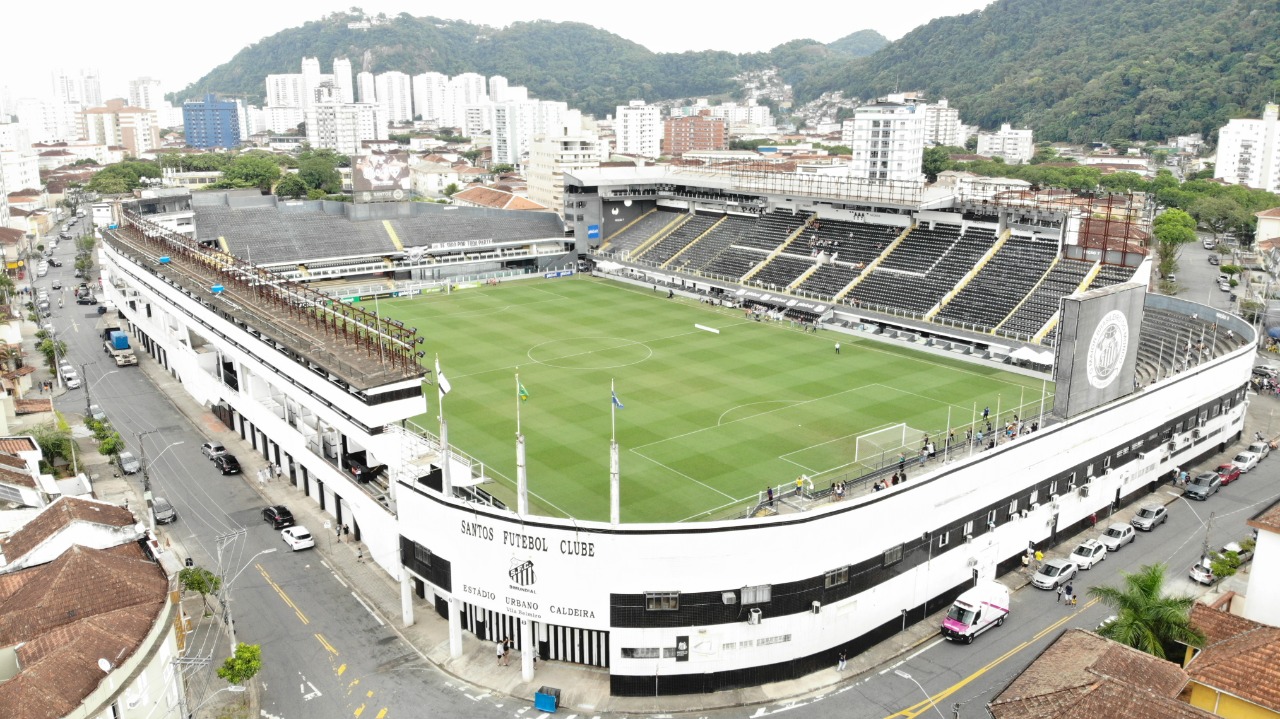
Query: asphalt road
{"points": [[326, 655]]}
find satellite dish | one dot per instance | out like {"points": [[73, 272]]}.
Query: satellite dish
{"points": [[105, 666], [139, 527]]}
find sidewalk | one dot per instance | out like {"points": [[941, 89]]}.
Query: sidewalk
{"points": [[585, 689]]}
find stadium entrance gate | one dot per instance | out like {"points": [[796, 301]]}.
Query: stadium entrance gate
{"points": [[565, 644]]}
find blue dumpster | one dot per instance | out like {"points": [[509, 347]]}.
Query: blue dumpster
{"points": [[547, 699]]}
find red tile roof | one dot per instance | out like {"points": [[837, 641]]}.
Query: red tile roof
{"points": [[8, 234], [12, 462], [1268, 519], [1273, 212], [13, 445], [1240, 657], [1083, 675], [32, 406], [17, 479], [59, 515], [86, 605], [489, 197]]}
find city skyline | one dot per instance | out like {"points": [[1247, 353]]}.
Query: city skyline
{"points": [[171, 57]]}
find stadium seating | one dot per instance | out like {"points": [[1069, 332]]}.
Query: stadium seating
{"points": [[735, 262], [782, 271], [852, 242], [917, 280], [1002, 283], [1111, 275], [292, 237], [640, 230], [828, 280], [668, 246], [701, 253], [1062, 280], [1171, 342], [772, 229]]}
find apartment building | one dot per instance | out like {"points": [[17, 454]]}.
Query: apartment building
{"points": [[887, 142], [1249, 151], [1014, 146], [638, 128], [695, 133]]}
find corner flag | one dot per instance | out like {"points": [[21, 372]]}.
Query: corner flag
{"points": [[441, 381], [616, 403], [522, 392]]}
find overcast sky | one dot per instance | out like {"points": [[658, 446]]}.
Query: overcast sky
{"points": [[178, 44]]}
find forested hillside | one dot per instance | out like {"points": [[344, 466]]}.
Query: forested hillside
{"points": [[1085, 70], [585, 66]]}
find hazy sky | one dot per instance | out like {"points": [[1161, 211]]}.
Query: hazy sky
{"points": [[157, 40]]}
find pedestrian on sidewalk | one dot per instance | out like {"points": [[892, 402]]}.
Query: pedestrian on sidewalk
{"points": [[337, 529], [502, 652], [507, 645], [360, 555], [346, 532], [1061, 593], [843, 660], [1069, 594], [770, 491]]}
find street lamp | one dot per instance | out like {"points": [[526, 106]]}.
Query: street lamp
{"points": [[146, 476], [932, 703], [226, 596]]}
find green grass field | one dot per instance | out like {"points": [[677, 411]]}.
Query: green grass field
{"points": [[709, 421]]}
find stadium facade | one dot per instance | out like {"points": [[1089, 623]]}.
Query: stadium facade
{"points": [[678, 608]]}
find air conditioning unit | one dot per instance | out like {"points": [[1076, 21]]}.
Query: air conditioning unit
{"points": [[1173, 445], [968, 538], [1195, 433], [754, 616], [1084, 490], [973, 561], [816, 607], [1025, 513], [729, 597]]}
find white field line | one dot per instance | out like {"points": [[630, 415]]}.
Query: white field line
{"points": [[682, 474]]}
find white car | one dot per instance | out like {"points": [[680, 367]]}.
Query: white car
{"points": [[297, 537], [1245, 461], [1116, 536], [1262, 449], [1089, 553]]}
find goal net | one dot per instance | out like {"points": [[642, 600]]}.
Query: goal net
{"points": [[883, 445]]}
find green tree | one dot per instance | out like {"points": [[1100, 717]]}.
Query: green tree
{"points": [[936, 159], [251, 170], [320, 173], [52, 350], [1220, 214], [451, 189], [1146, 618], [243, 665], [53, 443], [111, 445], [291, 186], [201, 581], [502, 168]]}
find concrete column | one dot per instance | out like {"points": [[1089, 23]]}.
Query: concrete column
{"points": [[455, 627], [526, 653], [406, 597]]}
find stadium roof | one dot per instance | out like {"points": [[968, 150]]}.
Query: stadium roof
{"points": [[278, 233]]}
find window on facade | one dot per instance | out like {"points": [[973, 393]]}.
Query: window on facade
{"points": [[639, 652], [759, 594], [1013, 507], [991, 518], [968, 527], [944, 538], [422, 554], [662, 601], [836, 577], [893, 555]]}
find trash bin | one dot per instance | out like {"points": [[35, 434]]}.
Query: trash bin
{"points": [[547, 699]]}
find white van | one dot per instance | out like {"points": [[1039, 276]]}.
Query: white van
{"points": [[977, 610]]}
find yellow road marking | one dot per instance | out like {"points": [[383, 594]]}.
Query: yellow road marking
{"points": [[381, 714], [328, 646], [922, 706], [342, 669], [360, 710], [369, 694], [302, 617]]}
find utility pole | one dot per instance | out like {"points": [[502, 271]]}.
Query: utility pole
{"points": [[225, 598], [84, 372], [146, 478]]}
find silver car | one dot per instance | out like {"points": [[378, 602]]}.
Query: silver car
{"points": [[163, 511], [129, 464], [1054, 573], [1116, 536]]}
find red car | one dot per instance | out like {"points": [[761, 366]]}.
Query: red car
{"points": [[1229, 473]]}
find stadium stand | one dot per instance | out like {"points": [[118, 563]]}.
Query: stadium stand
{"points": [[1002, 283], [782, 270], [1171, 342], [1111, 275], [954, 256], [735, 262], [771, 230], [828, 280], [269, 236], [1062, 280], [852, 242], [635, 234], [701, 253], [666, 248]]}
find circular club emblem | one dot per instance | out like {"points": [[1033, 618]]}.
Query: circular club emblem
{"points": [[398, 194], [1107, 349]]}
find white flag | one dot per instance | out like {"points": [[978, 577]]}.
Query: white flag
{"points": [[441, 381]]}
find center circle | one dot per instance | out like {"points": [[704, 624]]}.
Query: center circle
{"points": [[590, 353]]}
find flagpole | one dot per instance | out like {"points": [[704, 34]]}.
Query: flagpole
{"points": [[946, 441], [613, 413], [517, 402], [522, 478], [615, 481], [446, 480], [973, 423]]}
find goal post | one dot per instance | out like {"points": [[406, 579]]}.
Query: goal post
{"points": [[882, 445]]}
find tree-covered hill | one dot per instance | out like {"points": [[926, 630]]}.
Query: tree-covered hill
{"points": [[860, 43], [1084, 70]]}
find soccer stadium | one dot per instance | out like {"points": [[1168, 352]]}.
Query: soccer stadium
{"points": [[641, 448]]}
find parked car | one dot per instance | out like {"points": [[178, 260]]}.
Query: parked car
{"points": [[96, 413], [55, 263], [57, 284], [1054, 573], [1089, 553], [1245, 461], [212, 450], [297, 537], [1203, 485], [1149, 516], [227, 464], [163, 511], [1267, 371], [1262, 449], [129, 464], [1228, 473], [1202, 572], [1116, 536], [279, 516], [1213, 259]]}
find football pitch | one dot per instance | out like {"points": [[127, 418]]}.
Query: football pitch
{"points": [[709, 420]]}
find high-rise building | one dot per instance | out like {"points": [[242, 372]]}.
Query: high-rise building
{"points": [[343, 126], [463, 90], [1249, 151], [136, 129], [498, 88], [395, 96], [513, 128], [887, 141], [695, 133], [1013, 146], [942, 125], [366, 88], [212, 122], [67, 88], [311, 79], [429, 95], [91, 83], [285, 90], [639, 129], [561, 149], [343, 81], [146, 92]]}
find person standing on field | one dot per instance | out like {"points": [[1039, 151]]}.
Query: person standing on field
{"points": [[837, 348]]}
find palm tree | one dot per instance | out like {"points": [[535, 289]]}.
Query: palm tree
{"points": [[1147, 619]]}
